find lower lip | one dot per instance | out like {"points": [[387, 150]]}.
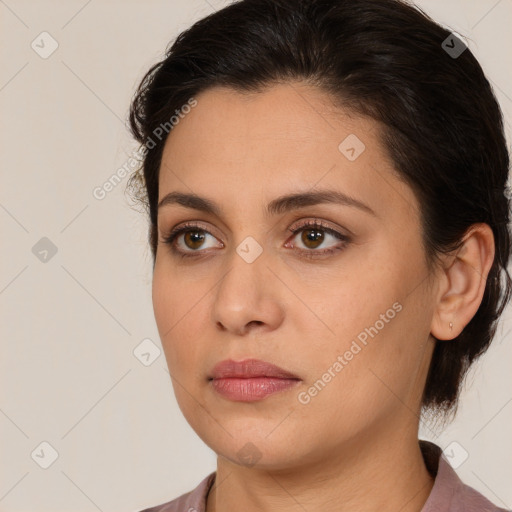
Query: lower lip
{"points": [[250, 390]]}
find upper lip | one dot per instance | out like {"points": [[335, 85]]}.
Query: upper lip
{"points": [[249, 368]]}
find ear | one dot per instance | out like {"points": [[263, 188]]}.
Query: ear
{"points": [[462, 282]]}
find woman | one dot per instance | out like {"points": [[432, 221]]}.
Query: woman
{"points": [[329, 228]]}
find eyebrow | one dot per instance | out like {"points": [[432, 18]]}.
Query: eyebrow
{"points": [[277, 206]]}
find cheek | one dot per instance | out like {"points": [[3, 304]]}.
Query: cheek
{"points": [[176, 309], [179, 309], [173, 299], [366, 338], [163, 304], [348, 303], [356, 384]]}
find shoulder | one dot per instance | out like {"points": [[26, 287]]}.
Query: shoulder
{"points": [[449, 493], [192, 501]]}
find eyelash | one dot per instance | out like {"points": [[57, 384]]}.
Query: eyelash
{"points": [[311, 253]]}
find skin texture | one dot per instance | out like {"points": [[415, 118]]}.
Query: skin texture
{"points": [[356, 438]]}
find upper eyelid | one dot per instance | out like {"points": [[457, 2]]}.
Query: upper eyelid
{"points": [[190, 225], [299, 225]]}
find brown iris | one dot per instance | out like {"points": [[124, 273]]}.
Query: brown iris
{"points": [[196, 238], [312, 236]]}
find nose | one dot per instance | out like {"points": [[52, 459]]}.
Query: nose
{"points": [[247, 297]]}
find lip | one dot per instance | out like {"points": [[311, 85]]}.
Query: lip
{"points": [[250, 380], [249, 368]]}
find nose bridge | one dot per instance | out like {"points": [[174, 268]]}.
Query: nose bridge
{"points": [[246, 268]]}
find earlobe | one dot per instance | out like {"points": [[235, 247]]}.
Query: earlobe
{"points": [[462, 283]]}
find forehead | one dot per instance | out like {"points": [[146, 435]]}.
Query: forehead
{"points": [[289, 136], [283, 115]]}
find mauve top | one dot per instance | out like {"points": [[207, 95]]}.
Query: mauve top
{"points": [[449, 493]]}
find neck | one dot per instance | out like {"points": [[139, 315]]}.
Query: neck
{"points": [[371, 476]]}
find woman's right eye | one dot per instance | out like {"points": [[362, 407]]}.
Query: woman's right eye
{"points": [[193, 238]]}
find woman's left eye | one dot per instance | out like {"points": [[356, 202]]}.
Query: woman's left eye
{"points": [[313, 236]]}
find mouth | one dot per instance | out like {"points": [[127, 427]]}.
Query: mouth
{"points": [[250, 380], [249, 368]]}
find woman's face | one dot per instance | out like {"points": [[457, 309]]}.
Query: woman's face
{"points": [[347, 314]]}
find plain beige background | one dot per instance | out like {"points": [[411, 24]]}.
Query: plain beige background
{"points": [[113, 436]]}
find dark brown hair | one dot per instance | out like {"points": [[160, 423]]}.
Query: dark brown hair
{"points": [[385, 59]]}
